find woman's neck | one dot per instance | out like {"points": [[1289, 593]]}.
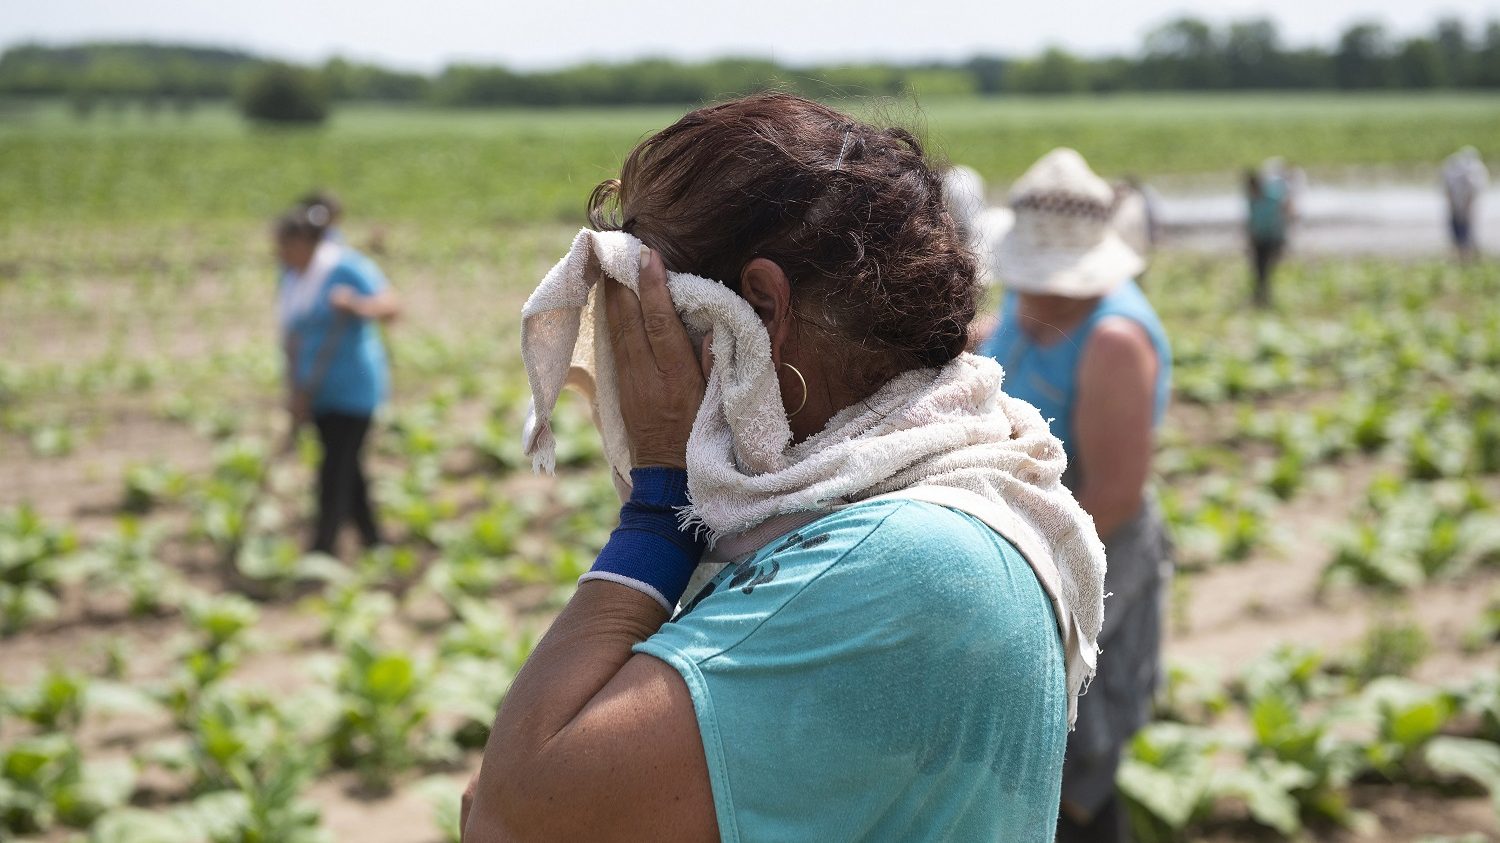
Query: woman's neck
{"points": [[1047, 319], [836, 378]]}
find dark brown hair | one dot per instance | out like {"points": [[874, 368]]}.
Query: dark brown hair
{"points": [[853, 215], [294, 225], [304, 222]]}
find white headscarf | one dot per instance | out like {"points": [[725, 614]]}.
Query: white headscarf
{"points": [[299, 290]]}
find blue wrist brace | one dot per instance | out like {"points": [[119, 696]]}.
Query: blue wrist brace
{"points": [[649, 552]]}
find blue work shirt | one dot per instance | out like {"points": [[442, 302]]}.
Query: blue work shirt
{"points": [[352, 376]]}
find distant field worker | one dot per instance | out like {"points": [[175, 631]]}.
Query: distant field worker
{"points": [[785, 302], [330, 299], [1293, 181], [1269, 211], [1078, 339], [1137, 217], [375, 243], [1464, 179], [981, 225]]}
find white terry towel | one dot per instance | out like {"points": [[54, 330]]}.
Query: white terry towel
{"points": [[948, 428]]}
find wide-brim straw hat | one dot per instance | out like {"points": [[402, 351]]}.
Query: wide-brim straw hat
{"points": [[1060, 242]]}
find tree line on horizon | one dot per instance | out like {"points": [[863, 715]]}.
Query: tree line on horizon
{"points": [[1186, 54]]}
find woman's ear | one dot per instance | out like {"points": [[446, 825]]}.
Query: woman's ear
{"points": [[766, 288]]}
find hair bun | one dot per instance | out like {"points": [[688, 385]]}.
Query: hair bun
{"points": [[854, 215]]}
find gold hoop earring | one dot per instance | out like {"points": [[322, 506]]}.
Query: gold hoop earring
{"points": [[802, 381]]}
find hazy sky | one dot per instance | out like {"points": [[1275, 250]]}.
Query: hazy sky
{"points": [[425, 34]]}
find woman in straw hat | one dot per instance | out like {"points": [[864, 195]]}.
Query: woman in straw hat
{"points": [[1078, 339]]}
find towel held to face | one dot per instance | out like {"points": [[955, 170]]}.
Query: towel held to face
{"points": [[948, 432]]}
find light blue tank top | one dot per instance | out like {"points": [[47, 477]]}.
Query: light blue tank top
{"points": [[889, 672], [1046, 376]]}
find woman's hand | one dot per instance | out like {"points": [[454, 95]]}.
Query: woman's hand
{"points": [[661, 384], [347, 300], [382, 305], [299, 407]]}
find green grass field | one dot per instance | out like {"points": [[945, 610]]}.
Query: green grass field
{"points": [[482, 167]]}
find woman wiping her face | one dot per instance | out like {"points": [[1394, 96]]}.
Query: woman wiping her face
{"points": [[906, 597]]}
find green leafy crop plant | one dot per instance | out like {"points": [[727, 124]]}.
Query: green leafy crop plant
{"points": [[1413, 533], [380, 730], [149, 485], [36, 561], [249, 757], [44, 781], [128, 562], [219, 637]]}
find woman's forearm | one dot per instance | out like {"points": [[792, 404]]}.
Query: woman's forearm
{"points": [[383, 306], [532, 785], [525, 772]]}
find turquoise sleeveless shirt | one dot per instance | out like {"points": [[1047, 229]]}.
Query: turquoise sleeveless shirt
{"points": [[1046, 376], [891, 671]]}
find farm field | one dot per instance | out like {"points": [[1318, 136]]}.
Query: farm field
{"points": [[172, 668], [447, 167]]}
